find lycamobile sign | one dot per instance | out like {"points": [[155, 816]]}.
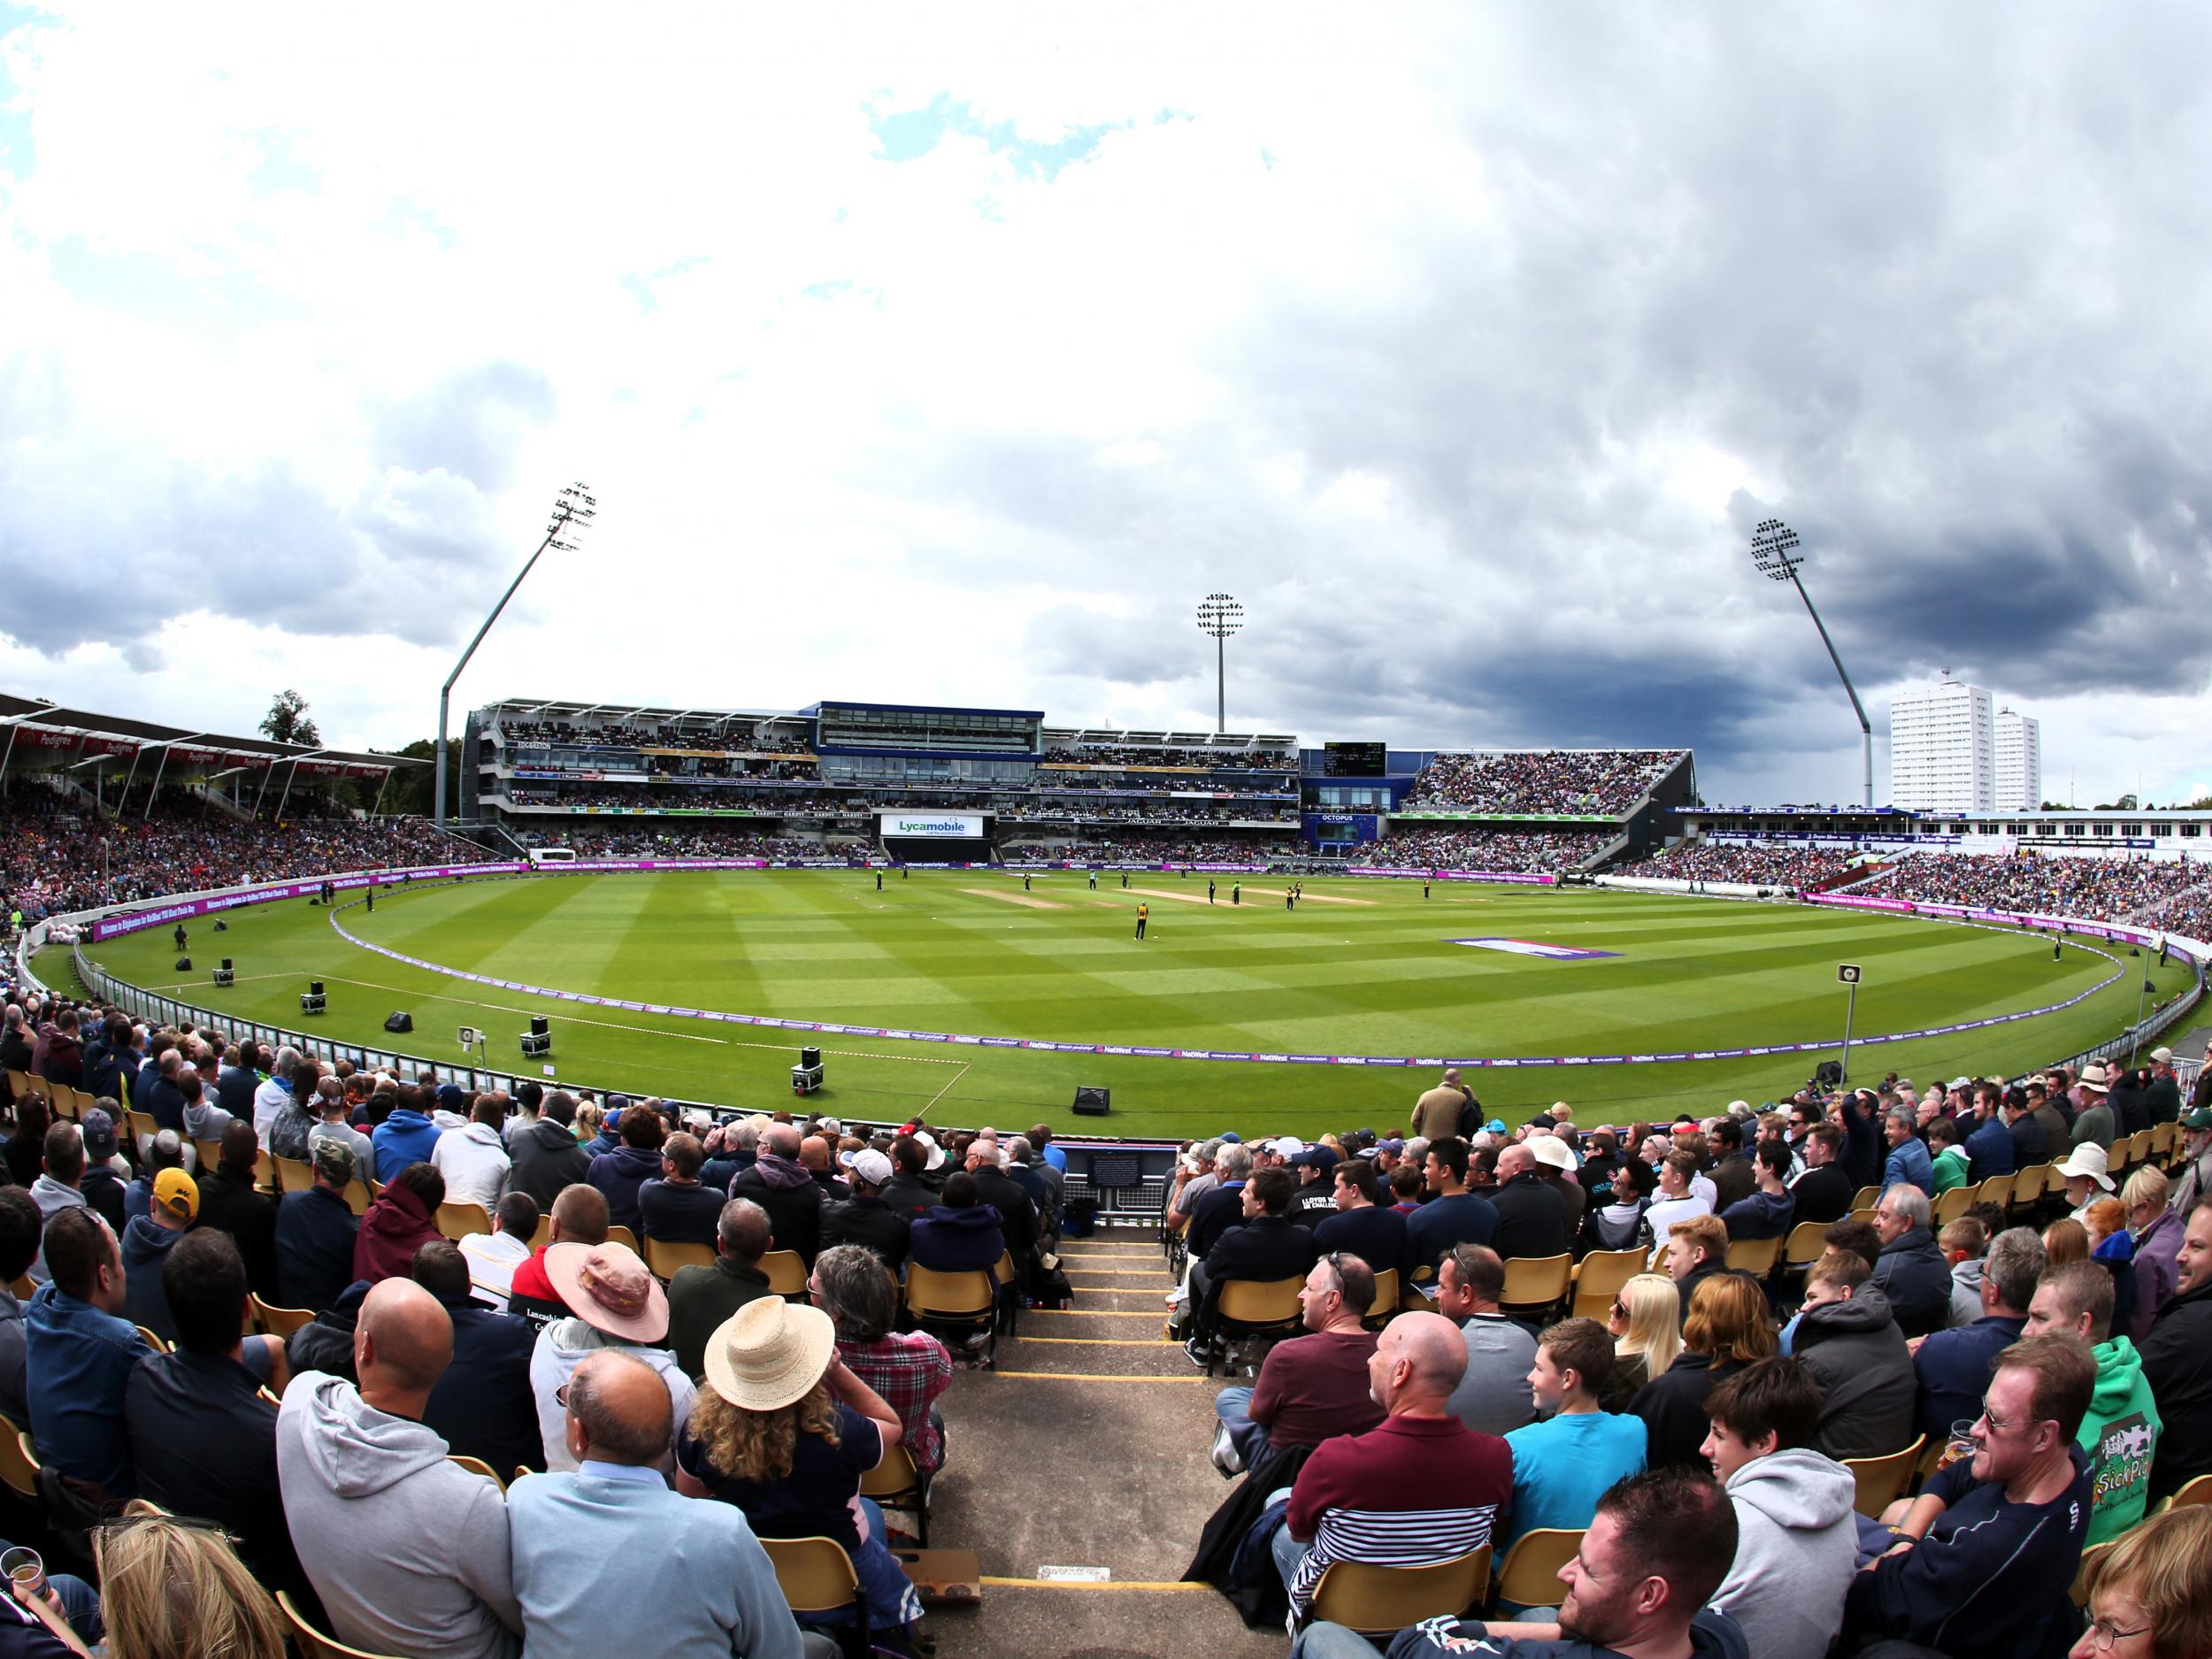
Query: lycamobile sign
{"points": [[935, 825]]}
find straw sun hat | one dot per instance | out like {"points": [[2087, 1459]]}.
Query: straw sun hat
{"points": [[769, 1354]]}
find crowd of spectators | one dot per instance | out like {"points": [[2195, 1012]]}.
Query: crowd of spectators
{"points": [[1694, 1434], [1749, 864], [1147, 755], [688, 841], [2106, 889], [1534, 851], [1167, 849], [765, 738], [55, 855], [1542, 780]]}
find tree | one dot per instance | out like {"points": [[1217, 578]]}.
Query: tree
{"points": [[410, 788], [286, 721]]}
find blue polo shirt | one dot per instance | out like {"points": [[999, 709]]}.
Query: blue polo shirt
{"points": [[76, 1363]]}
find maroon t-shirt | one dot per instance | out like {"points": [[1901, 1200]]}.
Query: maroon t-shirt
{"points": [[1316, 1386]]}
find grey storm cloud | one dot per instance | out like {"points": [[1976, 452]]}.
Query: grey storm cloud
{"points": [[259, 544]]}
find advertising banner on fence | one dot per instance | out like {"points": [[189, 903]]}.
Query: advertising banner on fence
{"points": [[936, 827]]}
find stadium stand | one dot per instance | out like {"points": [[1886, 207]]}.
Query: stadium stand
{"points": [[1553, 781]]}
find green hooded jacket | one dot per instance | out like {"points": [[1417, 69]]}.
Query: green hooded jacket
{"points": [[2119, 1434]]}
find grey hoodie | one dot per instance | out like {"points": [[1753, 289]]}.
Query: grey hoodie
{"points": [[409, 1552], [1797, 1543], [51, 1197], [1966, 1292]]}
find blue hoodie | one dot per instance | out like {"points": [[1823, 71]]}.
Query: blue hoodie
{"points": [[949, 1241], [618, 1174], [406, 1137], [1910, 1165], [1761, 1216], [146, 1246]]}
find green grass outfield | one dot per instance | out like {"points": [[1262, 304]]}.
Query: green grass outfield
{"points": [[1363, 967]]}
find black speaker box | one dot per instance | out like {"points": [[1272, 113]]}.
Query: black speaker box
{"points": [[400, 1021], [537, 1026], [1093, 1102], [810, 1058], [226, 965], [184, 965]]}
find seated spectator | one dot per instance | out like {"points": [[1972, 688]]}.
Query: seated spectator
{"points": [[960, 1235], [164, 1151], [547, 1158], [472, 1159], [617, 1304], [1452, 1216], [1645, 1323], [784, 1431], [1948, 1165], [1728, 1327], [1852, 1348], [25, 1151], [702, 1299], [1675, 1202], [1989, 1148], [675, 1207], [779, 1183], [2119, 1435], [1492, 1398], [146, 1245], [908, 1192], [203, 1440], [593, 1547], [865, 1219], [1953, 1367], [102, 1183], [579, 1216], [1566, 1460], [78, 1353], [620, 1174], [1360, 1225], [1533, 1218], [1911, 1269], [403, 1218], [1214, 1200], [1965, 1246], [57, 1188], [993, 1186], [909, 1369], [317, 1231], [1655, 1553], [483, 1406], [298, 1118], [1315, 1200], [407, 1550], [1407, 1184], [1618, 1224], [1696, 1250], [175, 1587], [1266, 1247], [406, 1137], [1768, 1211], [1823, 1192], [1907, 1162], [2151, 1596], [2177, 1360], [333, 1126], [1979, 1563], [1315, 1386], [20, 1224], [229, 1203], [2157, 1231], [492, 1257], [1421, 1488], [1796, 1542]]}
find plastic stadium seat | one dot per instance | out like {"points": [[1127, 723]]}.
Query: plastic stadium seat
{"points": [[543, 1236], [1254, 1308], [2028, 1187], [358, 1197], [1883, 1480], [1954, 1204], [312, 1643], [1536, 1281], [18, 1466], [155, 1339], [816, 1578], [1866, 1198], [1996, 1190], [139, 1125], [18, 1083], [1807, 1243], [207, 1150], [1386, 1302], [1599, 1278], [295, 1173], [1382, 1601], [1756, 1256], [459, 1217], [896, 1484], [477, 1466], [2086, 1575], [624, 1237], [785, 1270], [281, 1321], [265, 1172], [966, 1304], [663, 1258], [1529, 1574], [2192, 1493]]}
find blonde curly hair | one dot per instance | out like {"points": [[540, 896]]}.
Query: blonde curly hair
{"points": [[758, 1446]]}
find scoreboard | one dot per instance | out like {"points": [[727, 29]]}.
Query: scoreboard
{"points": [[1353, 760]]}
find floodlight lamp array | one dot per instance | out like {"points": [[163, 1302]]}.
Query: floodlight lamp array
{"points": [[1774, 550], [573, 509], [1219, 615]]}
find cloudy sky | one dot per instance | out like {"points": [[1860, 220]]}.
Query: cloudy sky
{"points": [[928, 353]]}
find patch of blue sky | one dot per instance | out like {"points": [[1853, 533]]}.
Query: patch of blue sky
{"points": [[19, 153], [909, 134], [153, 287], [639, 284]]}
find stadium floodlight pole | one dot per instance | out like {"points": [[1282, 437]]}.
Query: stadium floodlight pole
{"points": [[573, 509], [1220, 616], [1774, 550]]}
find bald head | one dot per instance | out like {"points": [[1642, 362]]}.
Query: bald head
{"points": [[1515, 1160], [1418, 1361], [814, 1153], [400, 1346], [579, 1215], [618, 1410], [780, 1139]]}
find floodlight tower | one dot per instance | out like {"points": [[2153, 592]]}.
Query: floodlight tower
{"points": [[1220, 616], [1774, 550], [573, 509]]}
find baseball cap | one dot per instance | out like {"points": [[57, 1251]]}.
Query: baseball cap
{"points": [[1495, 1126], [1231, 1136], [2200, 1119], [1315, 1158], [868, 1165], [333, 1159], [1287, 1146], [99, 1135], [178, 1194]]}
